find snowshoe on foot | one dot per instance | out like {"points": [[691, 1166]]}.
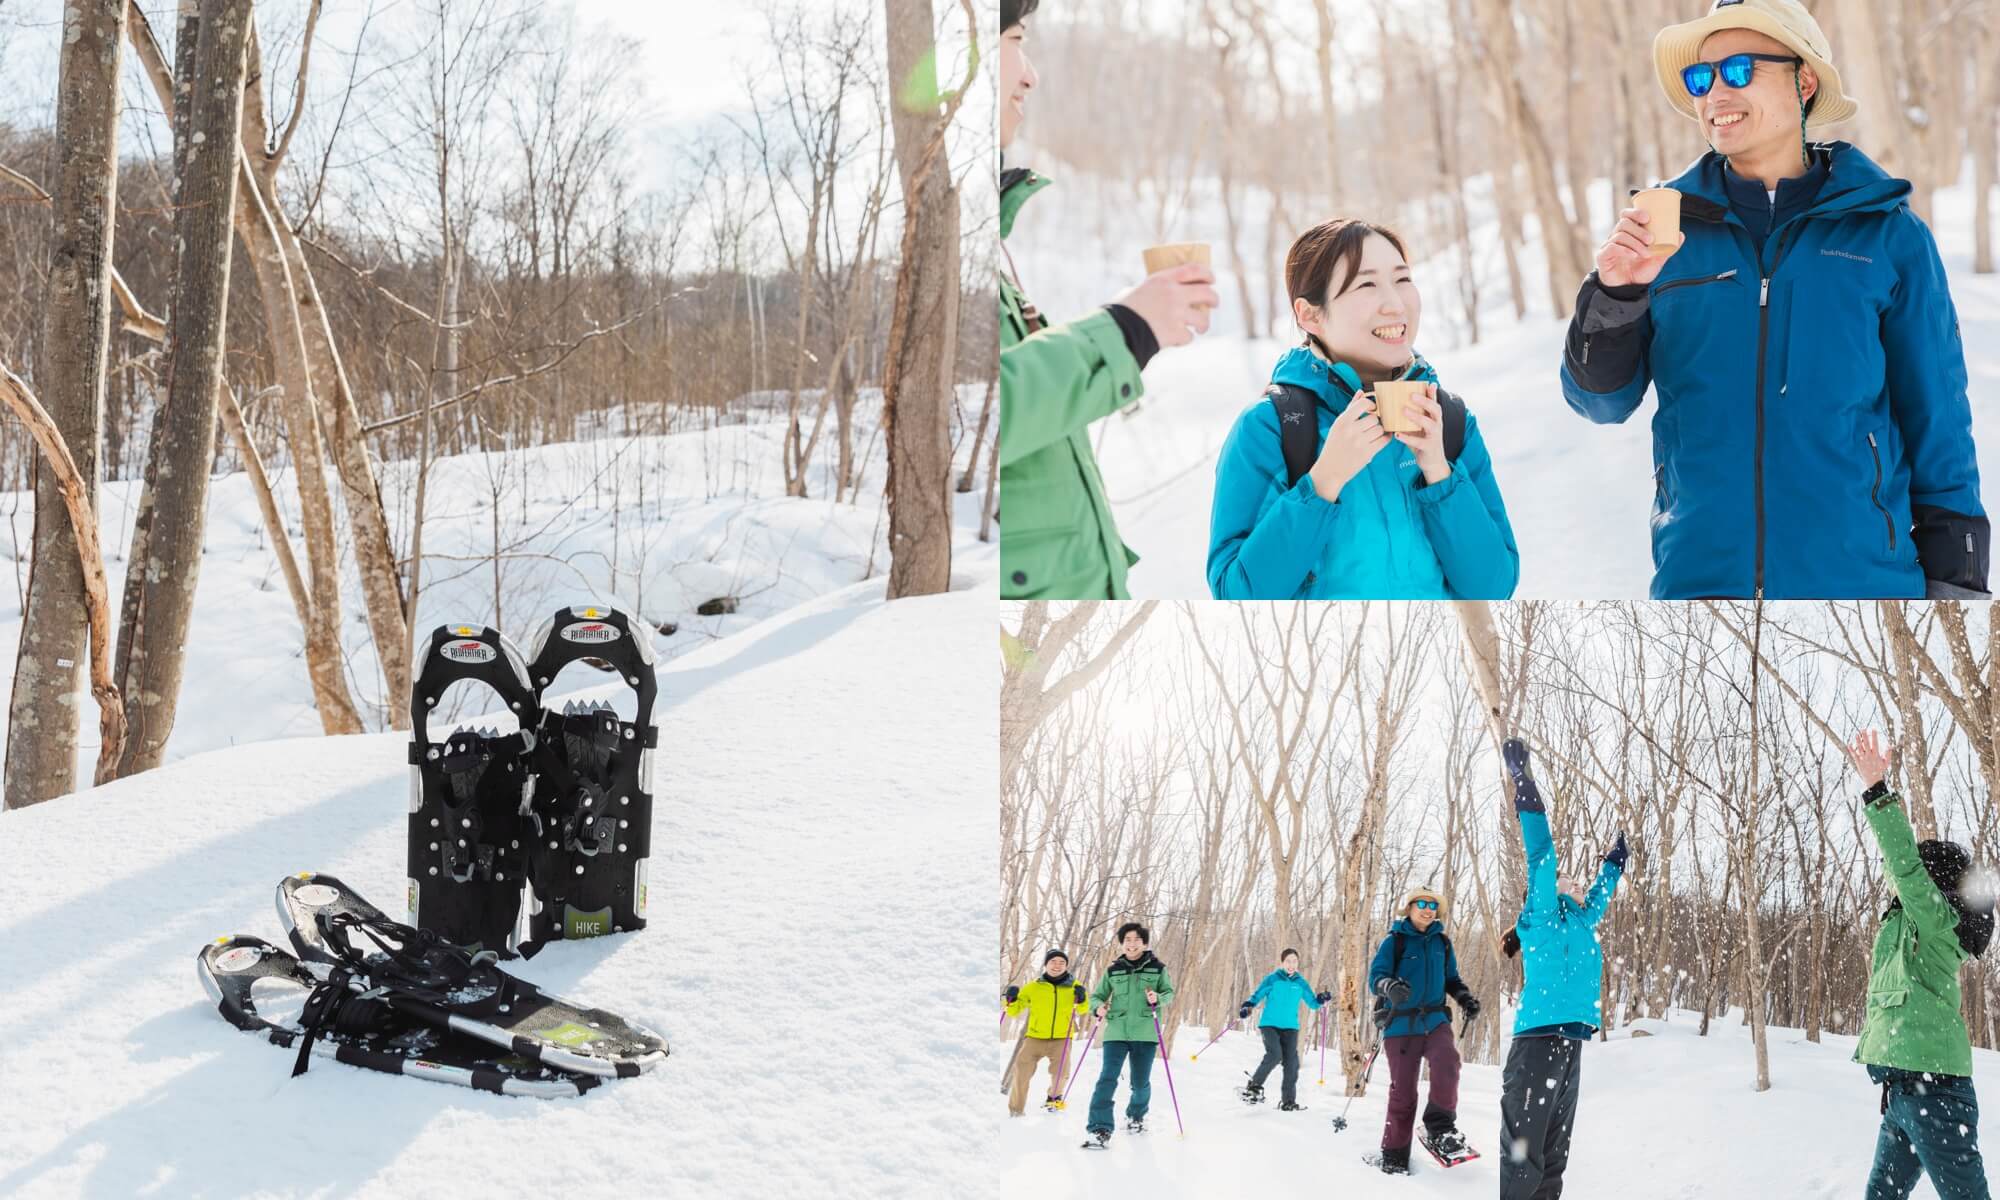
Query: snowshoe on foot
{"points": [[1054, 1104], [1291, 1106], [593, 803], [1389, 1162], [467, 861], [1448, 1147], [1134, 1126], [343, 937], [1100, 1139], [1251, 1094], [263, 990]]}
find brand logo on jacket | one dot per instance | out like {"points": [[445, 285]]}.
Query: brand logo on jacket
{"points": [[1844, 254]]}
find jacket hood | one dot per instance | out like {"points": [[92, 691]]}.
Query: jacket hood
{"points": [[1409, 927], [1334, 383], [1016, 185], [1122, 965], [1854, 184], [1061, 980]]}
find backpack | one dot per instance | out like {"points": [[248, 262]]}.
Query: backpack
{"points": [[1396, 962], [1298, 427]]}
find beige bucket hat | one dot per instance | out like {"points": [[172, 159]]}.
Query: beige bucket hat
{"points": [[1679, 46], [1423, 893]]}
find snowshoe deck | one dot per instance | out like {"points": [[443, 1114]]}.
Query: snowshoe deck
{"points": [[238, 972], [469, 793], [1447, 1157], [453, 988], [593, 803]]}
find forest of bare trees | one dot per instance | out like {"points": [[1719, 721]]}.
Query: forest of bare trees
{"points": [[1245, 777], [245, 244], [1444, 116]]}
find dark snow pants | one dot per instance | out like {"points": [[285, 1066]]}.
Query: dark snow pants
{"points": [[1537, 1111], [1404, 1056], [1930, 1126], [1280, 1046]]}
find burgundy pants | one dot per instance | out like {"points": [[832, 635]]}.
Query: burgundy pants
{"points": [[1404, 1056]]}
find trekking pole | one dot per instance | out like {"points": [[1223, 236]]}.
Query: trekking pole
{"points": [[1340, 1122], [1164, 1062], [1218, 1037], [1322, 1048], [1079, 1058], [1056, 1102]]}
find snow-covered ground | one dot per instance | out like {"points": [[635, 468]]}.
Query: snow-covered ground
{"points": [[1579, 495], [821, 936], [1667, 1117], [662, 523]]}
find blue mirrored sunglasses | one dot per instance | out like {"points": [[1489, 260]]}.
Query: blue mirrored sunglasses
{"points": [[1430, 904], [1735, 71]]}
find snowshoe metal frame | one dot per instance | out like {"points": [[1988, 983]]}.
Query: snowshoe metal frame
{"points": [[592, 812], [469, 795]]}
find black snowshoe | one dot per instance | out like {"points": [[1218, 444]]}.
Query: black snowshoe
{"points": [[1291, 1106], [1448, 1147], [1132, 1126], [469, 793], [1389, 1162], [1100, 1139], [1251, 1093], [592, 809]]}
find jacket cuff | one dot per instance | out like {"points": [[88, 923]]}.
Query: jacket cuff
{"points": [[1878, 793], [1138, 335], [1101, 328], [1437, 493], [1600, 307]]}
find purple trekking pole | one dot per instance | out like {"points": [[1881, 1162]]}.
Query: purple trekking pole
{"points": [[1059, 1101], [1164, 1062], [1227, 1026], [1322, 1048], [1079, 1058]]}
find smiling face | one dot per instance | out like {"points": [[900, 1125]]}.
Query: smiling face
{"points": [[1133, 944], [1017, 79], [1570, 886], [1372, 325], [1422, 917], [1759, 120], [1289, 964], [1056, 967]]}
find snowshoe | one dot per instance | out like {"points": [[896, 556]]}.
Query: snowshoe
{"points": [[264, 990], [1100, 1139], [1251, 1094], [1291, 1106], [593, 804], [1055, 1104], [1132, 1126], [469, 792], [341, 936], [1448, 1148], [1389, 1162]]}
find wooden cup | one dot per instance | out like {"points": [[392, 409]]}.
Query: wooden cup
{"points": [[1663, 212], [1174, 254], [1390, 398]]}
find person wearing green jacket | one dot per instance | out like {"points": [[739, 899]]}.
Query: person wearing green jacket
{"points": [[1127, 1002], [1057, 537], [1913, 1040]]}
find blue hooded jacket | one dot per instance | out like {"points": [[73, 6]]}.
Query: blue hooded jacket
{"points": [[1281, 995], [1384, 537], [1427, 963], [1561, 961], [1812, 436]]}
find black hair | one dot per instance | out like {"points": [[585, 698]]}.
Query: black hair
{"points": [[1013, 12], [1145, 934], [1289, 953], [1947, 863]]}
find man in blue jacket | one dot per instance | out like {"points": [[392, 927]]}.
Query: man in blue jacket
{"points": [[1561, 963], [1281, 993], [1812, 438], [1414, 970]]}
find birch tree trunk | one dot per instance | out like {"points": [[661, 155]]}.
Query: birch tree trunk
{"points": [[166, 563], [42, 713]]}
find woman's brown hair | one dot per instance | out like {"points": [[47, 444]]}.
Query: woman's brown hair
{"points": [[1330, 247]]}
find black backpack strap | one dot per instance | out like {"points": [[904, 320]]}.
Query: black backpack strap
{"points": [[1453, 411], [1298, 428]]}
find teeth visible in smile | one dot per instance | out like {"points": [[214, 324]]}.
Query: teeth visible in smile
{"points": [[1728, 119], [1391, 332]]}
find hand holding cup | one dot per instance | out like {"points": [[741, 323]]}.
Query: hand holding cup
{"points": [[1422, 430], [1647, 234], [1355, 437], [1174, 303]]}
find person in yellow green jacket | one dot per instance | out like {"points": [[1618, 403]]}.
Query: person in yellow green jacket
{"points": [[1127, 1002], [1053, 1004], [1913, 1040], [1057, 537]]}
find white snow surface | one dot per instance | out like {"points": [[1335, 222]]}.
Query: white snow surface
{"points": [[1667, 1117], [823, 909], [1579, 495]]}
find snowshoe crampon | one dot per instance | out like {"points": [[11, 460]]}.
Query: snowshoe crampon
{"points": [[421, 975], [469, 832], [266, 991], [592, 809]]}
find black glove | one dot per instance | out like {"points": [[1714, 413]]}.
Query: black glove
{"points": [[1323, 997], [1394, 990], [1381, 1014], [1081, 996], [1013, 994], [1463, 997], [1616, 855], [1243, 1013], [1527, 798]]}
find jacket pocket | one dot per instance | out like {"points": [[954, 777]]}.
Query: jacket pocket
{"points": [[1692, 281], [1891, 998], [1875, 491]]}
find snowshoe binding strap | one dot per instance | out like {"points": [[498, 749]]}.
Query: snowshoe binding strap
{"points": [[335, 1004]]}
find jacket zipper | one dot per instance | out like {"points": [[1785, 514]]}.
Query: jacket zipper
{"points": [[1763, 342], [1875, 489], [1668, 287]]}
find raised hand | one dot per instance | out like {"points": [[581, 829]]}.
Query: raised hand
{"points": [[1175, 302], [1617, 854], [1870, 756]]}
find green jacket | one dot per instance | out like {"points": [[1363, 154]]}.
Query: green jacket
{"points": [[1057, 538], [1914, 1020], [1123, 989]]}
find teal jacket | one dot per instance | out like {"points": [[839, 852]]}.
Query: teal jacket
{"points": [[1387, 535], [1427, 963], [1281, 994], [1561, 961]]}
